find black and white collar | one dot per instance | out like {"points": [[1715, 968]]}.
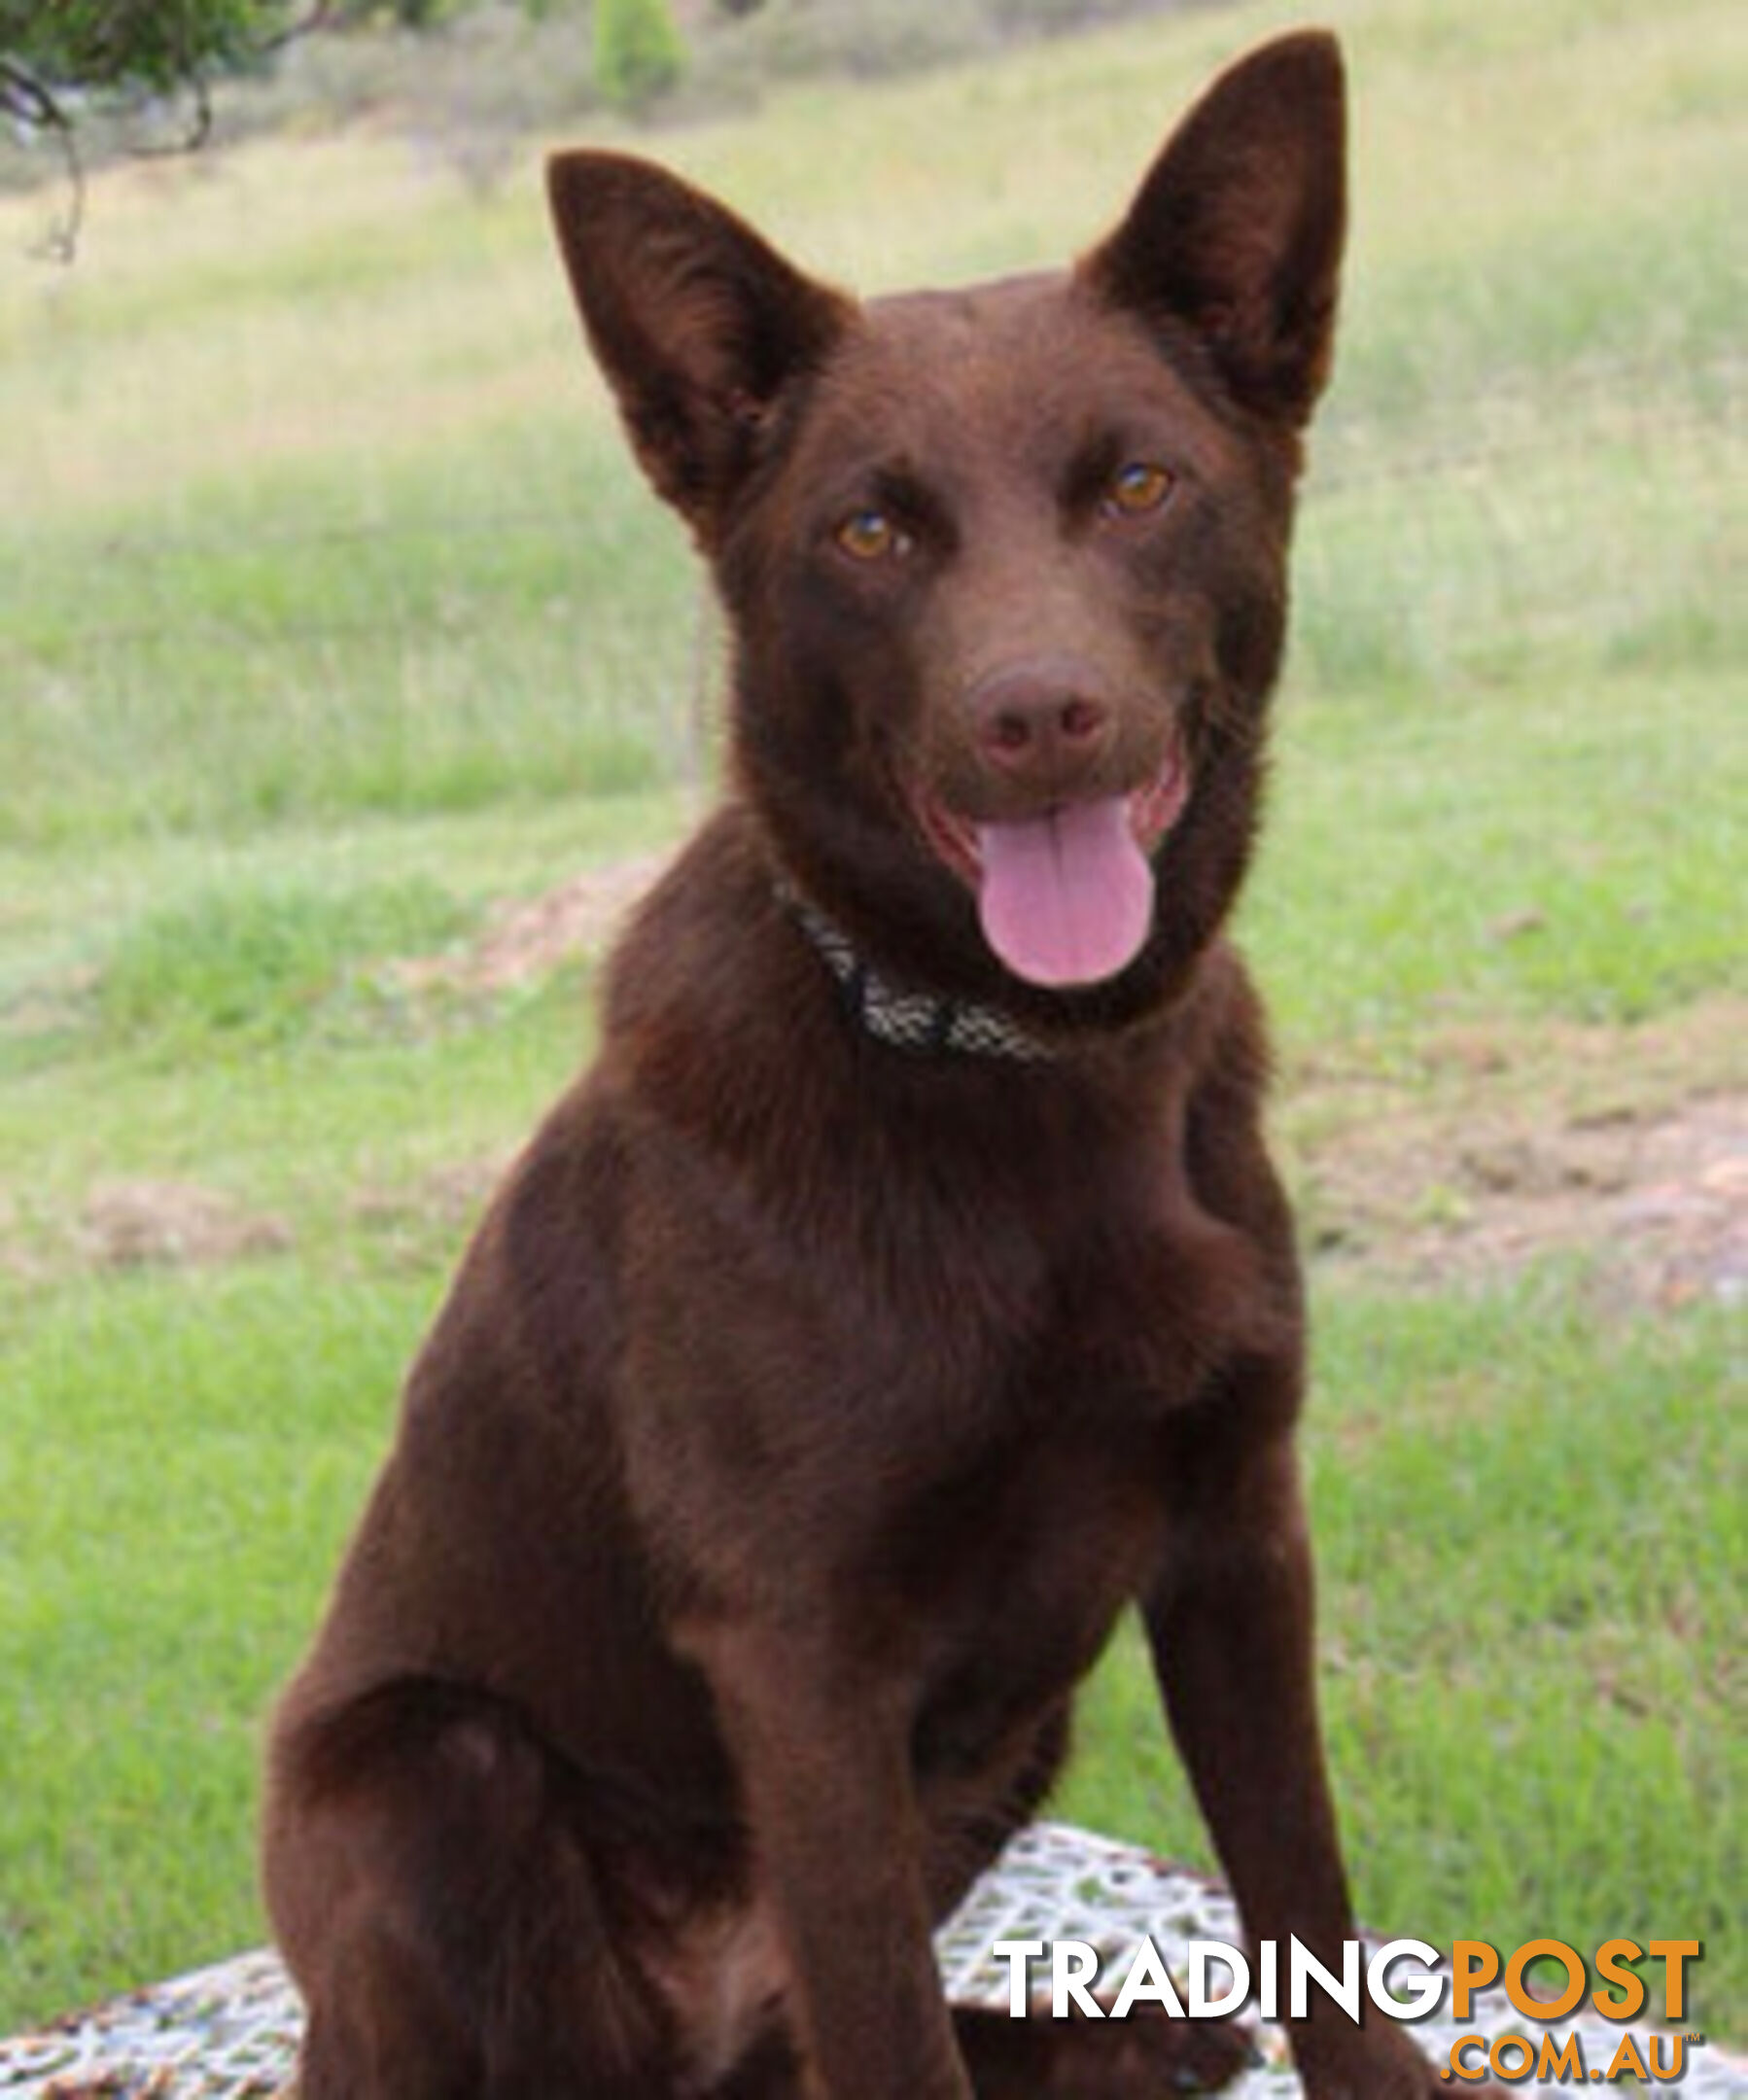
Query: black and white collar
{"points": [[917, 1022]]}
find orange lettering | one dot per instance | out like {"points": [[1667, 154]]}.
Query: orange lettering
{"points": [[1521, 2067], [1537, 1950], [1628, 2058], [1458, 2064], [1628, 2001], [1473, 1965], [1561, 2063], [1673, 1953], [1677, 2057]]}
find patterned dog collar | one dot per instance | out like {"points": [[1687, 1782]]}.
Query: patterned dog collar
{"points": [[917, 1022]]}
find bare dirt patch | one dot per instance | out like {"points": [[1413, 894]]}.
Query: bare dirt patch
{"points": [[1485, 1148], [1460, 1158], [423, 1223], [172, 1224], [1625, 1146], [527, 939]]}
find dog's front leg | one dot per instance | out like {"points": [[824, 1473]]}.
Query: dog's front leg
{"points": [[822, 1755], [1231, 1626]]}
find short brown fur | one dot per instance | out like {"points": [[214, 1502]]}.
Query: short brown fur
{"points": [[811, 1403]]}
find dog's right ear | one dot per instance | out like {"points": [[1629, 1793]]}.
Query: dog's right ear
{"points": [[697, 322], [1237, 232]]}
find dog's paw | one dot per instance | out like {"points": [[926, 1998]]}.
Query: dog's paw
{"points": [[1145, 2056], [1397, 2071], [1148, 2056]]}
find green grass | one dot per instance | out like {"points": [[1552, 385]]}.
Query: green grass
{"points": [[331, 612], [312, 471], [1531, 1562], [337, 653], [262, 962], [156, 1579], [1551, 845]]}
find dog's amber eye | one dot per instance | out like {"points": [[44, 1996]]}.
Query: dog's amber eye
{"points": [[871, 536], [1141, 486]]}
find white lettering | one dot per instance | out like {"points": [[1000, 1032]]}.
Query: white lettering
{"points": [[1306, 1968], [1148, 1978], [1017, 1953], [1202, 1953], [1268, 1982], [1072, 1967], [1423, 1991]]}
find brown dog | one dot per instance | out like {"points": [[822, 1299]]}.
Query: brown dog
{"points": [[905, 1289]]}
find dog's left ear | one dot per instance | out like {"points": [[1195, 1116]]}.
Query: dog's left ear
{"points": [[697, 322], [1237, 232]]}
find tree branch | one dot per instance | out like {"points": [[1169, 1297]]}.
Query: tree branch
{"points": [[27, 99], [31, 101], [318, 18], [200, 123]]}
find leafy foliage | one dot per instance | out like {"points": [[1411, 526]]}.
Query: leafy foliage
{"points": [[639, 53], [51, 58], [129, 45], [60, 62]]}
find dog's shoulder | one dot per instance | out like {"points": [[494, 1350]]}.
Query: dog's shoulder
{"points": [[707, 971]]}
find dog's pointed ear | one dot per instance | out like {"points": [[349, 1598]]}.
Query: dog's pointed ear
{"points": [[696, 320], [1237, 232]]}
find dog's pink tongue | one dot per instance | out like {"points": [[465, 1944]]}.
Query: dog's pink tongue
{"points": [[1065, 899]]}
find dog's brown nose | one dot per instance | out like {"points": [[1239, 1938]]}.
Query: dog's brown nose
{"points": [[1044, 723]]}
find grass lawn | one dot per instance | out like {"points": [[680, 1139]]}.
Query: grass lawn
{"points": [[334, 621]]}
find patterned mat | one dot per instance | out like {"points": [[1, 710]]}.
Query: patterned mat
{"points": [[231, 2032]]}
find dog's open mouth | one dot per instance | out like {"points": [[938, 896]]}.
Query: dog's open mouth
{"points": [[1065, 897]]}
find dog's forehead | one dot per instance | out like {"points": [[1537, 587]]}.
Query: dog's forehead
{"points": [[967, 314], [1001, 368], [974, 343]]}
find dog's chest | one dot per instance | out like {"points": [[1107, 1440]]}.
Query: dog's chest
{"points": [[1011, 1406], [1081, 1290]]}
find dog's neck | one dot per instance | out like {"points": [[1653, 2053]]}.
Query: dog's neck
{"points": [[921, 1023]]}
